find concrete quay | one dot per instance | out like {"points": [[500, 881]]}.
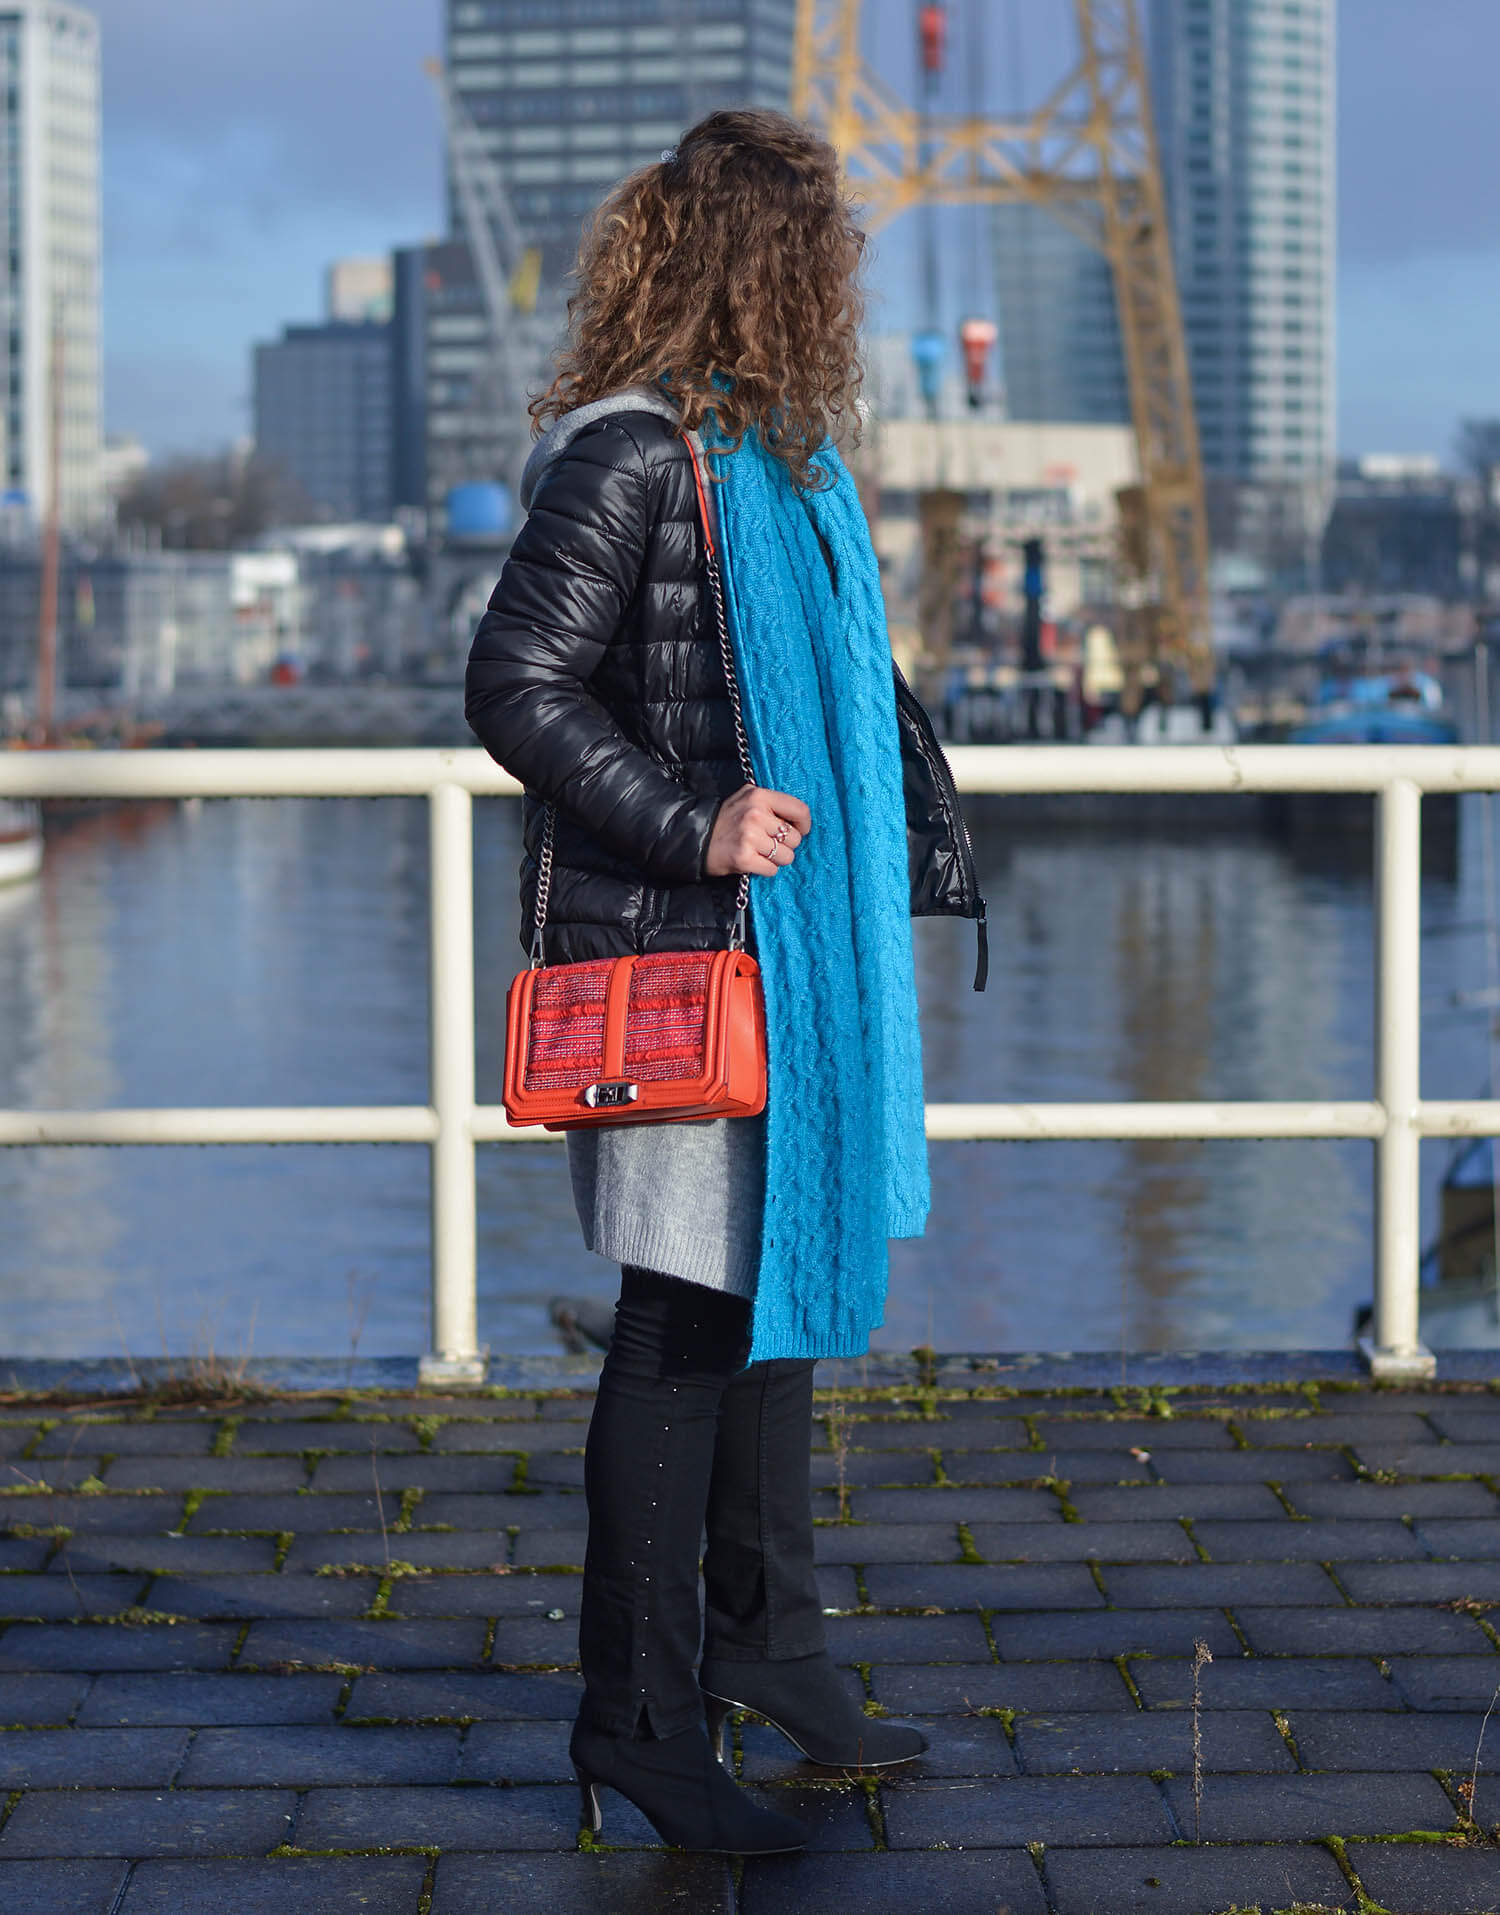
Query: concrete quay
{"points": [[298, 1654]]}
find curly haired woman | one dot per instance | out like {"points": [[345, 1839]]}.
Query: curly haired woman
{"points": [[718, 303]]}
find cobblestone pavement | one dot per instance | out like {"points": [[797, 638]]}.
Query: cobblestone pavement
{"points": [[298, 1656]]}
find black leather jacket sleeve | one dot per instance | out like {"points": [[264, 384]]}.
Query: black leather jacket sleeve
{"points": [[562, 596]]}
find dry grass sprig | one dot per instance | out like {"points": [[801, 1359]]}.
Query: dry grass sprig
{"points": [[1202, 1655]]}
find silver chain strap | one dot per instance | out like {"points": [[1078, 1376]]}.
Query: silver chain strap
{"points": [[742, 747], [741, 742], [543, 887]]}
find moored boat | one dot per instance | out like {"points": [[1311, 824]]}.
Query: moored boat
{"points": [[1368, 699], [1403, 707]]}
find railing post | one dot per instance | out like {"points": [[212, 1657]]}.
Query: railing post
{"points": [[455, 1356], [1395, 1349]]}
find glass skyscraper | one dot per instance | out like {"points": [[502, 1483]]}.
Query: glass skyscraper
{"points": [[49, 263], [323, 414], [1060, 351], [1243, 92], [1243, 98], [568, 96], [573, 94]]}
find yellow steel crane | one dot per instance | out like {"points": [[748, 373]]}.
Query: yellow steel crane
{"points": [[1088, 154]]}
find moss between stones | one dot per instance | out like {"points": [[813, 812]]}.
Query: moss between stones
{"points": [[1337, 1848], [1122, 1663]]}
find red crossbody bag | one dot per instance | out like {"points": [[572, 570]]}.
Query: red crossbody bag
{"points": [[674, 1037]]}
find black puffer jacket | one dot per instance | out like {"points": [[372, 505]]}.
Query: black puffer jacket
{"points": [[595, 679]]}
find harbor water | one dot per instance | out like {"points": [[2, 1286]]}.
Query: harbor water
{"points": [[248, 952]]}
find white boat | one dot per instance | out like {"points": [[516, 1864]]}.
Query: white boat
{"points": [[20, 841]]}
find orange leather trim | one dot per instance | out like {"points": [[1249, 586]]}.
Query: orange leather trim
{"points": [[616, 1004], [704, 513], [517, 1037]]}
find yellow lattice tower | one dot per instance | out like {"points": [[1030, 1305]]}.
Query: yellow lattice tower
{"points": [[1088, 154]]}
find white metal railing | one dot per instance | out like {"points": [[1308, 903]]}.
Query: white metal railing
{"points": [[452, 1123]]}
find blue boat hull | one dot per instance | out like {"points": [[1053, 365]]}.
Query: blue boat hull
{"points": [[1377, 727]]}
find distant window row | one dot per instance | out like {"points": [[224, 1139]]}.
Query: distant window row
{"points": [[577, 105], [479, 14], [617, 136], [552, 73], [589, 42], [538, 205]]}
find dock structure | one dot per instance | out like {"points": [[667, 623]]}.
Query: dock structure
{"points": [[1177, 1650]]}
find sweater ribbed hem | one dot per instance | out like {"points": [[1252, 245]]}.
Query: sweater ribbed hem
{"points": [[674, 1252]]}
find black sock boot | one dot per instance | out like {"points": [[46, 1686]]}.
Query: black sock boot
{"points": [[686, 1796], [646, 1476], [807, 1700], [764, 1639]]}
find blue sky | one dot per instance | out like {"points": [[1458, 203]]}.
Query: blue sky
{"points": [[247, 142]]}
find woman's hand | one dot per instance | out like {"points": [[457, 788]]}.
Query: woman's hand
{"points": [[756, 831]]}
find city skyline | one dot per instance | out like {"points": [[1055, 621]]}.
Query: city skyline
{"points": [[234, 174]]}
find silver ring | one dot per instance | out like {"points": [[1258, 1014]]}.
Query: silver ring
{"points": [[779, 834]]}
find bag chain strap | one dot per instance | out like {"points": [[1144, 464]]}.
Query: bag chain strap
{"points": [[741, 741]]}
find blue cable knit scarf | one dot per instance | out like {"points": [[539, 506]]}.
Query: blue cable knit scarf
{"points": [[846, 1152]]}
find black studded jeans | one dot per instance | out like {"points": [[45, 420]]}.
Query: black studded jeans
{"points": [[686, 1440]]}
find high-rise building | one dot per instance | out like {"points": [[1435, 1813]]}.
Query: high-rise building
{"points": [[1243, 93], [1060, 353], [568, 96], [323, 415], [409, 272], [49, 261], [573, 94], [441, 334]]}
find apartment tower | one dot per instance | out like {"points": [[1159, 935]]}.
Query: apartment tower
{"points": [[1243, 92], [49, 264], [569, 96]]}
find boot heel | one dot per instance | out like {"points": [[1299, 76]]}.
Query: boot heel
{"points": [[589, 1813], [716, 1709], [685, 1795]]}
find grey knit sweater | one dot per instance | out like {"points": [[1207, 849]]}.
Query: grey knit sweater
{"points": [[684, 1199]]}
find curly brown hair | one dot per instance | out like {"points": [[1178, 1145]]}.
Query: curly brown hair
{"points": [[728, 270]]}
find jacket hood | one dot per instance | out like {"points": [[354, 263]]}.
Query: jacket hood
{"points": [[561, 433]]}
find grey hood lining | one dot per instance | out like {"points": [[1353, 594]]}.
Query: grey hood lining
{"points": [[561, 433]]}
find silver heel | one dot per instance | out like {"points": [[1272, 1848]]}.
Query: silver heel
{"points": [[716, 1709], [589, 1812]]}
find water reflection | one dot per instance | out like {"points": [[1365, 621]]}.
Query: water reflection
{"points": [[256, 952]]}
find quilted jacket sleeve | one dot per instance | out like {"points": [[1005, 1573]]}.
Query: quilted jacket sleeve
{"points": [[561, 598]]}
